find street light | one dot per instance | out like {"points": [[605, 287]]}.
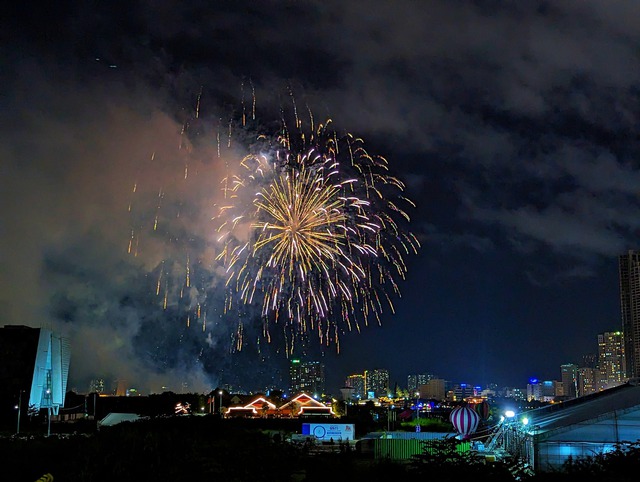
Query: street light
{"points": [[417, 412], [49, 412], [220, 409], [19, 407]]}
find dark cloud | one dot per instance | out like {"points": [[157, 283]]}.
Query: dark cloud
{"points": [[513, 126]]}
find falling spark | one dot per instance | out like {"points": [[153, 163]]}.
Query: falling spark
{"points": [[188, 278]]}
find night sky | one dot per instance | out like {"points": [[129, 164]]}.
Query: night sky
{"points": [[512, 124]]}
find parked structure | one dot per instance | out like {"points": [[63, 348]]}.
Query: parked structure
{"points": [[546, 437]]}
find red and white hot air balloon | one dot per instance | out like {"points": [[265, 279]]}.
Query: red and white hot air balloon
{"points": [[465, 420], [483, 410]]}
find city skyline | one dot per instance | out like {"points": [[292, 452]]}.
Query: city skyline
{"points": [[595, 372], [511, 129]]}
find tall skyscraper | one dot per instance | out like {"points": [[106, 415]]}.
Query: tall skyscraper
{"points": [[414, 382], [433, 389], [611, 359], [587, 381], [357, 383], [307, 377], [629, 270], [569, 374], [590, 360], [34, 368], [377, 382]]}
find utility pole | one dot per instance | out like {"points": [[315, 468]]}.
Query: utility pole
{"points": [[19, 408], [388, 419], [417, 412]]}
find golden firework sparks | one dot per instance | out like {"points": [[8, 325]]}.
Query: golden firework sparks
{"points": [[324, 235]]}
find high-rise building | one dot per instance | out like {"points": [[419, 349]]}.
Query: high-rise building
{"points": [[587, 381], [415, 381], [611, 359], [629, 271], [545, 391], [590, 360], [356, 382], [307, 376], [96, 385], [34, 368], [460, 391], [376, 382], [433, 389], [569, 377]]}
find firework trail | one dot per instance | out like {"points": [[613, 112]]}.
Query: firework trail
{"points": [[162, 230], [312, 233]]}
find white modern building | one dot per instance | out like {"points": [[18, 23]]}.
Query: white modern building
{"points": [[34, 368]]}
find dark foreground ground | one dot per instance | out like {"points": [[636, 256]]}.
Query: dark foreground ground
{"points": [[179, 449], [199, 448]]}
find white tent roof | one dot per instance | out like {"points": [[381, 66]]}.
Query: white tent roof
{"points": [[115, 418], [587, 409]]}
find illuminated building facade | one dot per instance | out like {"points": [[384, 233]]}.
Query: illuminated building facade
{"points": [[433, 389], [545, 391], [358, 384], [34, 368], [414, 382], [569, 376], [587, 381], [460, 391], [376, 383], [629, 273], [307, 376], [611, 359]]}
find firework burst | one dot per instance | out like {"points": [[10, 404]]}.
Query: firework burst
{"points": [[312, 234]]}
